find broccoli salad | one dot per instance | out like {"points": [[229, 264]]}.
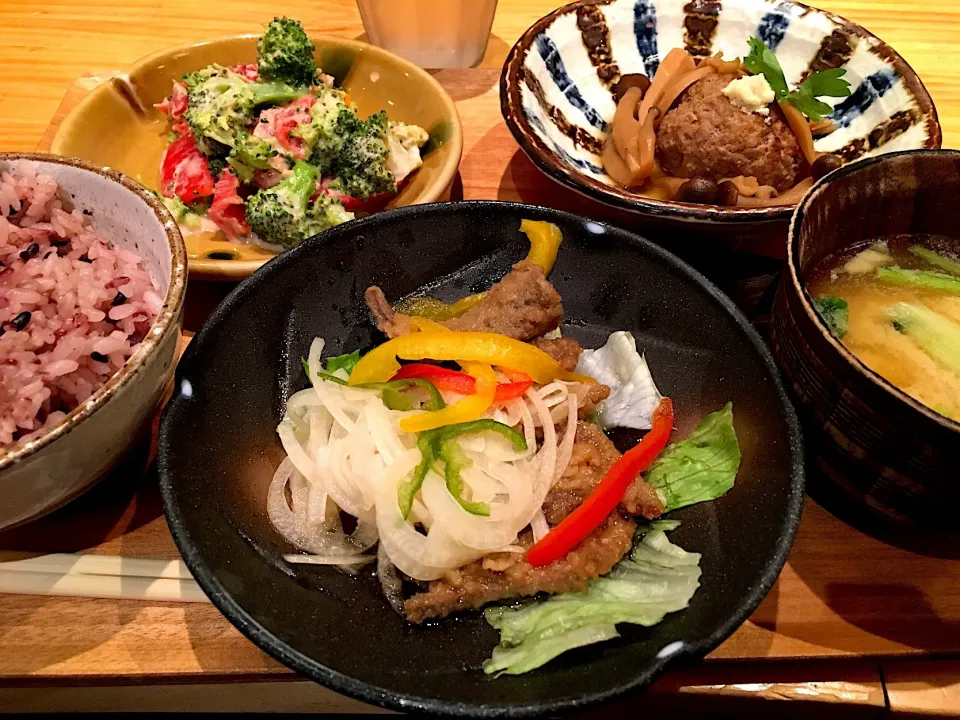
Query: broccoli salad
{"points": [[273, 153]]}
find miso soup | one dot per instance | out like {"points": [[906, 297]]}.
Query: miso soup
{"points": [[895, 304]]}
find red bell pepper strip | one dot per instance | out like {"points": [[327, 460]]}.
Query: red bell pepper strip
{"points": [[459, 382], [520, 383], [441, 377], [607, 494]]}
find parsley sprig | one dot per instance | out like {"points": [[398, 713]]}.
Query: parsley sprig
{"points": [[826, 83]]}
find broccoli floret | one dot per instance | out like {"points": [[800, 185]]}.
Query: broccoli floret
{"points": [[285, 53], [329, 211], [250, 153], [185, 215], [323, 136], [177, 207], [283, 214], [221, 104], [216, 165], [360, 165]]}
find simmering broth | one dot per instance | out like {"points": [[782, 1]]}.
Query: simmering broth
{"points": [[895, 304]]}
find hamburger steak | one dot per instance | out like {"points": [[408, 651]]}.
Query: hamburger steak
{"points": [[706, 136]]}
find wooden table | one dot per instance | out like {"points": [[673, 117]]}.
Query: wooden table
{"points": [[855, 625]]}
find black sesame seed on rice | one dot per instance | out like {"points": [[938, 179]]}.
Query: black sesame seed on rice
{"points": [[20, 321], [99, 357], [118, 299]]}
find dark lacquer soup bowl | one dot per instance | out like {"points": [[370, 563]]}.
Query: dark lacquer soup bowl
{"points": [[219, 450], [869, 444]]}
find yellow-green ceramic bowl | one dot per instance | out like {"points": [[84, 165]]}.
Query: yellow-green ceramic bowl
{"points": [[116, 125]]}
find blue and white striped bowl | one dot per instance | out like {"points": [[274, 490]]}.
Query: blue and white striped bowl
{"points": [[557, 86]]}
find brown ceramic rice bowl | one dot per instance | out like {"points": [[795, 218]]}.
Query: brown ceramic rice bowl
{"points": [[97, 405]]}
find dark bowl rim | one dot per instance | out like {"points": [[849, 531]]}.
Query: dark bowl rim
{"points": [[806, 300], [147, 349], [511, 108], [403, 702]]}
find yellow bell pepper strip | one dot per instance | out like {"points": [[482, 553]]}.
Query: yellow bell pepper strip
{"points": [[437, 310], [470, 408], [380, 364], [422, 324], [545, 239]]}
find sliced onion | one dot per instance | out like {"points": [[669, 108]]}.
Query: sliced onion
{"points": [[565, 451], [298, 456], [539, 526], [390, 581], [345, 452], [294, 530], [313, 358], [547, 457], [383, 435]]}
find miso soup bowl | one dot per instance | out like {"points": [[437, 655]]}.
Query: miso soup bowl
{"points": [[869, 445]]}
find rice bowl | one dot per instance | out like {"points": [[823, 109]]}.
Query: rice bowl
{"points": [[73, 306], [93, 278]]}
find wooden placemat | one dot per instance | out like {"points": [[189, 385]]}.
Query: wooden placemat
{"points": [[842, 594]]}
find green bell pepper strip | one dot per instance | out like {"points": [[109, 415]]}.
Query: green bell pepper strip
{"points": [[392, 391], [439, 444], [454, 462]]}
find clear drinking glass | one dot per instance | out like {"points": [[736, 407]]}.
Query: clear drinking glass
{"points": [[430, 33]]}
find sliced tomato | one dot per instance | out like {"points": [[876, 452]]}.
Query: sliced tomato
{"points": [[279, 122], [184, 170], [248, 71], [266, 179], [175, 104], [227, 209], [371, 204], [351, 203]]}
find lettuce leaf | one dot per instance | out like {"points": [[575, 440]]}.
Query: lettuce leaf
{"points": [[343, 362], [700, 468], [657, 578]]}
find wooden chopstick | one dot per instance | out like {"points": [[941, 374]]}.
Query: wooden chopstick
{"points": [[98, 576], [94, 565]]}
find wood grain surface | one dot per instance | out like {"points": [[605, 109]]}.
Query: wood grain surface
{"points": [[47, 44], [843, 597]]}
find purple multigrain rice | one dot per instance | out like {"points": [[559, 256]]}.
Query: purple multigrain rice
{"points": [[62, 337]]}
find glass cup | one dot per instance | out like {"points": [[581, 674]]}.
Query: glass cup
{"points": [[430, 33]]}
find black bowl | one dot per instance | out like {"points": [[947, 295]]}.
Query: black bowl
{"points": [[218, 451]]}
